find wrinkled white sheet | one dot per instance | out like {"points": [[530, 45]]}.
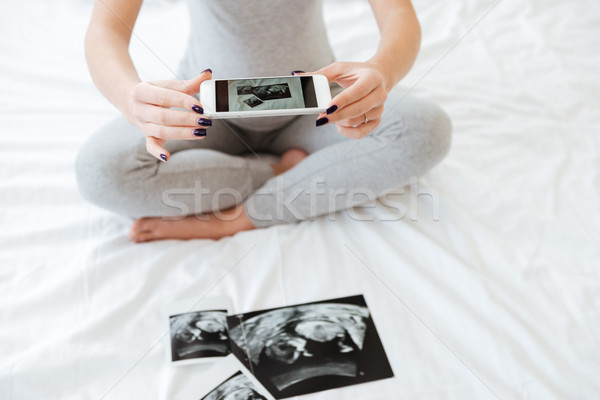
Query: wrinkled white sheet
{"points": [[493, 295]]}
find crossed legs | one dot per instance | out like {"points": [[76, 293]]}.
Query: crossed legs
{"points": [[412, 137]]}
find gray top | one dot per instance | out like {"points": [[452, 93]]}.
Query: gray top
{"points": [[244, 38]]}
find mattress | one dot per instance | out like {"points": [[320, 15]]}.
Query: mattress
{"points": [[482, 277]]}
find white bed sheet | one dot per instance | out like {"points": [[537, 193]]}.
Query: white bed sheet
{"points": [[496, 296]]}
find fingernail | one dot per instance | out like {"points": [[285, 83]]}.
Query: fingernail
{"points": [[322, 121], [198, 109], [204, 122], [200, 132], [331, 109], [164, 157], [207, 69], [297, 71]]}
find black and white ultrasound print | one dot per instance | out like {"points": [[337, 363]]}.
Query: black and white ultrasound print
{"points": [[245, 89], [226, 379], [237, 387], [199, 334], [272, 92], [253, 101], [310, 347]]}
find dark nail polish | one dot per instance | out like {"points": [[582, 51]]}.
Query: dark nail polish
{"points": [[199, 132], [331, 109], [297, 71], [204, 122], [322, 121], [198, 109], [164, 157], [207, 69]]}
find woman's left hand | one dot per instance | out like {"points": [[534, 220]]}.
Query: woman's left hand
{"points": [[358, 109]]}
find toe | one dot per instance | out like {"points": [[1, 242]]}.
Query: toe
{"points": [[139, 225], [142, 228], [292, 157], [296, 153], [142, 237]]}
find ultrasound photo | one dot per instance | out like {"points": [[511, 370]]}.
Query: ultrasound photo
{"points": [[246, 89], [226, 379], [310, 347], [271, 92], [199, 334], [253, 101], [238, 387]]}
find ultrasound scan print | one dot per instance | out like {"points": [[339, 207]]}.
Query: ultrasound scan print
{"points": [[246, 89], [238, 387], [199, 334], [271, 92], [253, 101], [293, 344]]}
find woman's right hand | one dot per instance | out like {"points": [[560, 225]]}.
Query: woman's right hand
{"points": [[150, 109]]}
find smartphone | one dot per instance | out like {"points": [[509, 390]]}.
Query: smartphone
{"points": [[265, 96]]}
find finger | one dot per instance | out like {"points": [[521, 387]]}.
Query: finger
{"points": [[155, 147], [373, 99], [165, 132], [359, 131], [373, 114], [169, 116], [160, 96], [190, 86], [359, 89], [332, 71]]}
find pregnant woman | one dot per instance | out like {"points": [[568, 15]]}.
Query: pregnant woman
{"points": [[183, 175]]}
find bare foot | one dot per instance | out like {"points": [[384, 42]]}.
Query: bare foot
{"points": [[207, 226], [288, 160]]}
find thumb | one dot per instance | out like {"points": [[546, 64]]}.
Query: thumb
{"points": [[192, 86], [332, 72]]}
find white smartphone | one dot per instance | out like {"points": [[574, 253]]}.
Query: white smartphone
{"points": [[265, 96]]}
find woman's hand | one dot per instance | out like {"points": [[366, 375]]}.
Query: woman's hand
{"points": [[150, 109], [364, 95]]}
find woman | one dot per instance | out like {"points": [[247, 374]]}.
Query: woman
{"points": [[186, 176]]}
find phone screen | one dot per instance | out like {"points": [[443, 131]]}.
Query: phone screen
{"points": [[282, 93]]}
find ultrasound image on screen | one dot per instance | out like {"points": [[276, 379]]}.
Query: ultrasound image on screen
{"points": [[241, 90], [253, 101], [265, 94], [272, 92]]}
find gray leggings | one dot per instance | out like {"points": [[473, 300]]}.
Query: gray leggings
{"points": [[231, 166]]}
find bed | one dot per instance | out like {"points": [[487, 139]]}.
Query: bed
{"points": [[482, 277]]}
